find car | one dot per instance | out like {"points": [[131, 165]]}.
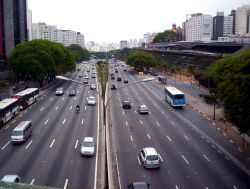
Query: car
{"points": [[124, 70], [155, 74], [86, 77], [138, 185], [80, 75], [59, 91], [113, 87], [72, 92], [92, 87], [112, 77], [149, 157], [11, 178], [78, 69], [126, 104], [88, 147], [91, 100], [116, 71], [125, 81], [85, 81], [93, 76], [118, 78], [86, 74], [143, 109]]}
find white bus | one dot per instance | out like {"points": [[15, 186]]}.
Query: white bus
{"points": [[9, 107], [174, 96], [27, 97]]}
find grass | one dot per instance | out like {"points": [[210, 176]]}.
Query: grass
{"points": [[105, 72]]}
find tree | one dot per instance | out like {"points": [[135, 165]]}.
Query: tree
{"points": [[166, 36], [38, 60], [190, 68], [84, 53], [232, 76], [141, 60]]}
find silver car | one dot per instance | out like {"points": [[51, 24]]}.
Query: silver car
{"points": [[88, 147], [149, 158], [59, 91], [92, 87], [143, 109], [91, 100]]}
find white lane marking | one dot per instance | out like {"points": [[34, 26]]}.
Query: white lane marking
{"points": [[202, 137], [42, 108], [64, 121], [226, 157], [176, 187], [160, 157], [32, 181], [141, 122], [56, 108], [5, 145], [76, 144], [213, 146], [70, 107], [138, 160], [149, 113], [172, 123], [206, 158], [126, 123], [66, 183], [85, 107], [234, 187], [158, 123], [75, 98], [161, 111], [52, 143], [63, 98], [135, 111], [28, 144], [219, 151], [123, 112], [13, 121], [46, 122], [131, 138], [51, 98], [185, 159], [186, 137], [169, 139], [7, 127], [82, 121], [148, 136]]}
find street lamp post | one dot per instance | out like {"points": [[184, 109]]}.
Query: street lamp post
{"points": [[105, 105]]}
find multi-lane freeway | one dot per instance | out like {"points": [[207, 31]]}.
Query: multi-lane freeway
{"points": [[192, 153], [51, 156]]}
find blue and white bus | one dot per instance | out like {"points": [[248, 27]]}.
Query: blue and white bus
{"points": [[174, 96]]}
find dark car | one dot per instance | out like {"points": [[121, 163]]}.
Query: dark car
{"points": [[119, 79], [125, 81], [72, 92], [113, 87], [112, 77], [124, 70], [138, 185], [78, 69], [116, 71], [155, 74], [126, 104], [85, 81]]}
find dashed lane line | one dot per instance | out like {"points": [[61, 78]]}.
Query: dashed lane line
{"points": [[64, 121], [42, 109], [206, 158], [46, 122], [56, 108], [148, 136], [131, 138], [52, 143], [126, 123], [32, 181], [185, 159], [28, 145], [66, 183], [169, 138], [158, 123], [172, 123], [5, 145], [160, 157], [82, 121], [186, 137], [141, 122], [76, 144], [70, 107]]}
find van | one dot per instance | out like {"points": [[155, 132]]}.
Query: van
{"points": [[21, 132]]}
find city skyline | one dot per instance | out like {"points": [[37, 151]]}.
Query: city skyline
{"points": [[113, 21]]}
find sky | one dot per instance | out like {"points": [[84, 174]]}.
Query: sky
{"points": [[116, 20]]}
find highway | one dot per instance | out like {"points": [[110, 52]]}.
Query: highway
{"points": [[51, 156], [193, 154]]}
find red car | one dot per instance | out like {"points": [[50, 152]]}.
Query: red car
{"points": [[85, 81]]}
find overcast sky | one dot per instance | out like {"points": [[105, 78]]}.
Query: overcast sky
{"points": [[115, 20]]}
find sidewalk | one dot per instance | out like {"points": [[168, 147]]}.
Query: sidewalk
{"points": [[231, 133]]}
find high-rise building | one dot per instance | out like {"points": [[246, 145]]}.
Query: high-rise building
{"points": [[123, 44], [242, 26], [13, 22], [218, 24], [228, 26], [183, 35], [43, 31], [233, 14], [199, 27], [80, 39], [29, 24]]}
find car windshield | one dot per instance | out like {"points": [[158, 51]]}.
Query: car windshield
{"points": [[152, 157], [87, 144], [17, 133], [91, 98], [144, 108]]}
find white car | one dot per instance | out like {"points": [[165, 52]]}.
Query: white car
{"points": [[149, 157], [88, 147], [91, 100], [93, 87], [59, 91]]}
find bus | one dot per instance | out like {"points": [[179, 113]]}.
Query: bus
{"points": [[9, 107], [175, 97], [27, 97]]}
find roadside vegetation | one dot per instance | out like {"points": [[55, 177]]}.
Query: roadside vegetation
{"points": [[102, 74], [80, 53], [166, 36]]}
